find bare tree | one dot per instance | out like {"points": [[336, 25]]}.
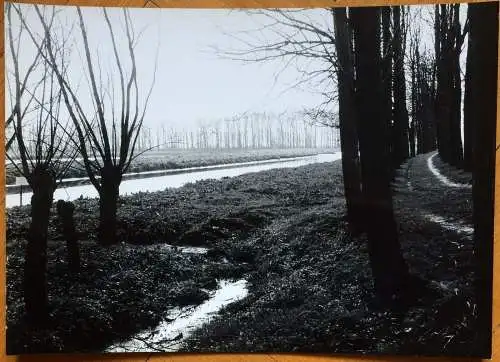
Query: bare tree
{"points": [[107, 135], [291, 38], [44, 149]]}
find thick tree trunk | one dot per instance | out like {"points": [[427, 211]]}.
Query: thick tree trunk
{"points": [[43, 184], [388, 266], [484, 67], [400, 111], [347, 119], [108, 203]]}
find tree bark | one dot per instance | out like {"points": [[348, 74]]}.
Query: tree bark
{"points": [[347, 119], [449, 85], [483, 77], [43, 183], [414, 92], [444, 85], [400, 111], [65, 212], [468, 109], [389, 269], [387, 56], [108, 204], [456, 90]]}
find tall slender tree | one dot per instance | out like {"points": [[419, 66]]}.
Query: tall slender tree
{"points": [[347, 117], [468, 106], [448, 97], [400, 133], [387, 74], [389, 269]]}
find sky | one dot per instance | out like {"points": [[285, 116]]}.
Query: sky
{"points": [[193, 82]]}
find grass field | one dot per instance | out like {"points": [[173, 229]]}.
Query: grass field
{"points": [[283, 230]]}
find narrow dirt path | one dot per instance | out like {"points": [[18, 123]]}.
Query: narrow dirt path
{"points": [[433, 204], [442, 178]]}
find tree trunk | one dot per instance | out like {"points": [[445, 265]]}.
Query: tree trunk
{"points": [[484, 67], [400, 110], [413, 126], [108, 200], [43, 183], [449, 85], [65, 211], [444, 84], [456, 90], [387, 55], [468, 109], [347, 119], [388, 266]]}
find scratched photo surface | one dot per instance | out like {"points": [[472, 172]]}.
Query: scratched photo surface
{"points": [[250, 180]]}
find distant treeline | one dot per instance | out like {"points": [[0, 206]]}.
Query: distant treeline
{"points": [[250, 130]]}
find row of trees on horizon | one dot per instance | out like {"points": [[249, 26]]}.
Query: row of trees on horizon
{"points": [[251, 130]]}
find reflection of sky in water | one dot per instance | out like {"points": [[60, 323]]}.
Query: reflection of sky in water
{"points": [[185, 321], [177, 180]]}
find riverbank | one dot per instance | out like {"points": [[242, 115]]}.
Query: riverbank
{"points": [[138, 280], [309, 283], [175, 159]]}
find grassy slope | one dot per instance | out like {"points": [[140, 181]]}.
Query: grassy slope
{"points": [[310, 285], [312, 290]]}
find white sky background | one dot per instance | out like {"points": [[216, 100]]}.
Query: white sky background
{"points": [[193, 84]]}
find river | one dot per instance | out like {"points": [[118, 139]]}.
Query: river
{"points": [[178, 178]]}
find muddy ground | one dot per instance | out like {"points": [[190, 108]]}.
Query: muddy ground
{"points": [[310, 285]]}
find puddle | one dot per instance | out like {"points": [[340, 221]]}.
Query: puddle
{"points": [[180, 323]]}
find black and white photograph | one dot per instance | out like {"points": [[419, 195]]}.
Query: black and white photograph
{"points": [[309, 180]]}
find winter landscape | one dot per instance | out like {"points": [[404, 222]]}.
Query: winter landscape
{"points": [[279, 180]]}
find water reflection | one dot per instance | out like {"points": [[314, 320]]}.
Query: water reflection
{"points": [[180, 323], [180, 179]]}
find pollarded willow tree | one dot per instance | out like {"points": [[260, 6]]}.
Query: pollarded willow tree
{"points": [[108, 131], [40, 147]]}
